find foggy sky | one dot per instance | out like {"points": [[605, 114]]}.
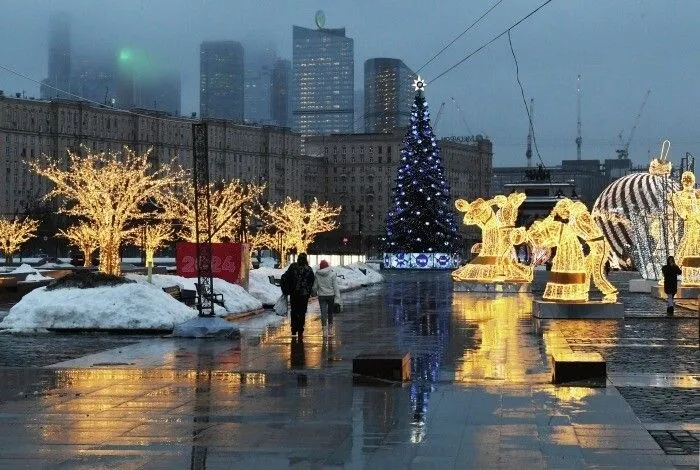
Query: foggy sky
{"points": [[621, 48]]}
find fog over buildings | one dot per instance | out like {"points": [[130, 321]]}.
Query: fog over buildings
{"points": [[621, 50]]}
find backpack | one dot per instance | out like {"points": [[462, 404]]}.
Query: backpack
{"points": [[304, 282]]}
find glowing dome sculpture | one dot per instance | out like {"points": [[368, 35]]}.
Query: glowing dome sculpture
{"points": [[636, 215]]}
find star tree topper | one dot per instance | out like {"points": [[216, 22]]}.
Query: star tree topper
{"points": [[419, 84]]}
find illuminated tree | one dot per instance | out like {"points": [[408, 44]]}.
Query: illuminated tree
{"points": [[420, 218], [13, 233], [84, 237], [226, 201], [299, 224], [108, 189], [152, 237]]}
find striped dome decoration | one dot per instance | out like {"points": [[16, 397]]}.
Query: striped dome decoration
{"points": [[624, 203]]}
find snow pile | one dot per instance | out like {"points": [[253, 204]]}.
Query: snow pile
{"points": [[56, 265], [24, 269], [236, 299], [260, 287], [349, 277], [127, 306], [352, 277], [38, 277]]}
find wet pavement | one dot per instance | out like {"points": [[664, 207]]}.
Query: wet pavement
{"points": [[481, 394]]}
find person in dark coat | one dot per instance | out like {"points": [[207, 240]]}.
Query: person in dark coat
{"points": [[297, 283], [671, 271]]}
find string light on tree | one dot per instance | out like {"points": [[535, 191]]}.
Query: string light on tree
{"points": [[686, 202], [13, 233], [153, 238], [421, 220], [107, 189], [84, 237], [298, 224], [226, 200]]}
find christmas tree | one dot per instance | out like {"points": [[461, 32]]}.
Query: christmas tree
{"points": [[420, 218]]}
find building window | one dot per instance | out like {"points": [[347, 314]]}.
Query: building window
{"points": [[379, 149], [352, 149]]}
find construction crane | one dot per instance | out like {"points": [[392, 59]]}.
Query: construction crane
{"points": [[579, 139], [439, 114], [528, 152], [461, 115], [623, 152]]}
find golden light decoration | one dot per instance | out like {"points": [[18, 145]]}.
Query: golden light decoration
{"points": [[84, 237], [151, 238], [298, 224], [226, 201], [572, 272], [686, 203], [497, 260], [107, 189], [14, 232]]}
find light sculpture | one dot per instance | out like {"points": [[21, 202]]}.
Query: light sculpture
{"points": [[13, 233], [686, 203], [572, 271], [636, 217], [497, 260]]}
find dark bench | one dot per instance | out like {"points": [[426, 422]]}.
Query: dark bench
{"points": [[274, 281], [215, 298], [186, 296]]}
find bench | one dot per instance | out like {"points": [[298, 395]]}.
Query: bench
{"points": [[186, 296], [215, 298], [274, 281]]}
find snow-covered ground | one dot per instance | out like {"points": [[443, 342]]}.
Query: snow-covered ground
{"points": [[236, 299], [144, 306], [136, 306]]}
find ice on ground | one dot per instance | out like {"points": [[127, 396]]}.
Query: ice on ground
{"points": [[236, 299], [136, 306]]}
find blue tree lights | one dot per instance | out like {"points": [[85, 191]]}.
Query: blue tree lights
{"points": [[420, 218]]}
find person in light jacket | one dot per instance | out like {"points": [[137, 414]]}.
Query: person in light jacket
{"points": [[326, 287]]}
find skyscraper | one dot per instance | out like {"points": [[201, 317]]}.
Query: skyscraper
{"points": [[388, 95], [281, 84], [221, 80], [323, 67], [59, 58], [259, 62]]}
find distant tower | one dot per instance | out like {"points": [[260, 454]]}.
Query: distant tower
{"points": [[280, 100], [323, 66], [530, 132], [258, 69], [388, 95], [579, 139], [221, 80], [59, 57]]}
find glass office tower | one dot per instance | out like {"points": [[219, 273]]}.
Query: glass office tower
{"points": [[388, 95], [323, 69], [221, 80]]}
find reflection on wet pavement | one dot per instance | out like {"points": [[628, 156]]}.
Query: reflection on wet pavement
{"points": [[480, 397]]}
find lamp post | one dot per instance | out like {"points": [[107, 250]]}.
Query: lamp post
{"points": [[359, 228]]}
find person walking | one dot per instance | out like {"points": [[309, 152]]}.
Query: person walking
{"points": [[297, 283], [326, 286], [671, 271]]}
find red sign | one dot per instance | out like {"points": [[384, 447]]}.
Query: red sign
{"points": [[229, 261]]}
